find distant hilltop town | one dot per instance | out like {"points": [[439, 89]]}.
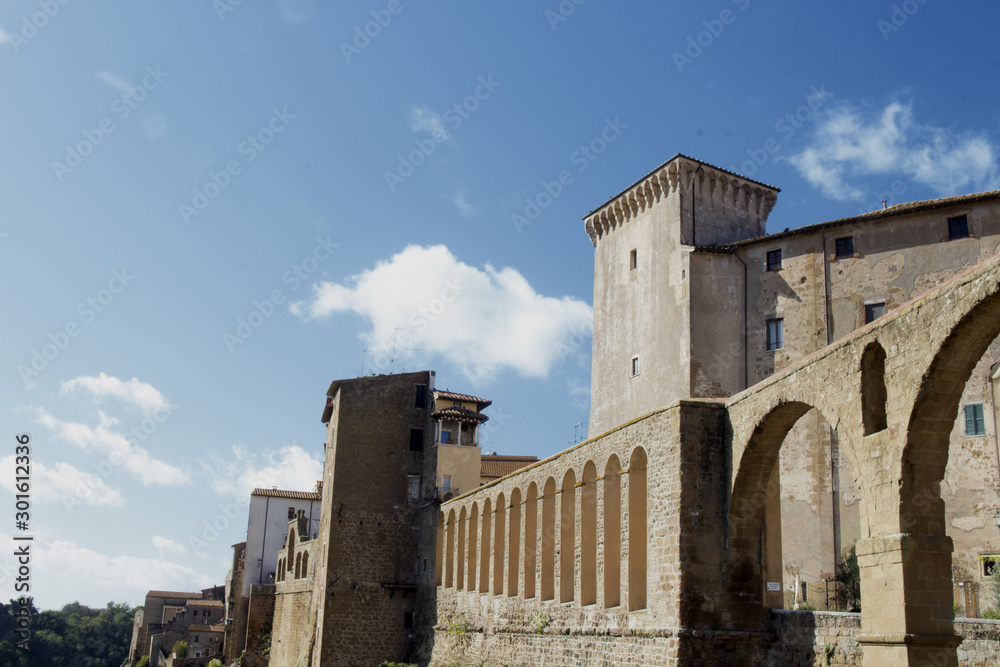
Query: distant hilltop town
{"points": [[793, 460]]}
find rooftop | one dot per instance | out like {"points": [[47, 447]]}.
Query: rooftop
{"points": [[465, 398], [460, 414], [498, 465], [295, 495], [173, 594]]}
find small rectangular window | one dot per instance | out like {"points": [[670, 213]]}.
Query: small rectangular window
{"points": [[416, 439], [633, 260], [975, 424], [845, 247], [635, 366], [958, 227], [775, 334], [773, 260], [990, 563], [445, 437], [420, 399], [873, 311], [413, 487], [407, 620], [446, 484]]}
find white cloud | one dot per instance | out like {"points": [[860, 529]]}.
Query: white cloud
{"points": [[164, 545], [850, 144], [4, 36], [461, 201], [61, 483], [114, 81], [480, 320], [423, 119], [142, 395], [291, 468], [119, 449]]}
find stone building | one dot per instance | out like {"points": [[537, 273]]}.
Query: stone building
{"points": [[760, 403], [166, 617]]}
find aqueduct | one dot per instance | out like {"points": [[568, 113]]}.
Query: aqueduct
{"points": [[644, 545]]}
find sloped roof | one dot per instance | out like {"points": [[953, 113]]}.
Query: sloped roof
{"points": [[295, 495], [498, 465], [204, 603], [205, 628], [173, 594], [460, 414], [466, 398]]}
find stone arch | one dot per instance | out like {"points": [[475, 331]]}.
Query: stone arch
{"points": [[567, 537], [752, 494], [298, 566], [449, 572], [484, 553], [588, 535], [281, 570], [637, 529], [460, 558], [498, 544], [292, 538], [305, 564], [530, 540], [514, 544], [873, 390], [473, 545], [549, 539], [612, 532], [439, 552]]}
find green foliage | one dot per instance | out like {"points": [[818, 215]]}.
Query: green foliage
{"points": [[459, 628], [991, 615], [994, 587], [215, 662], [830, 652], [180, 649], [264, 636], [143, 661], [807, 607], [849, 578], [75, 636], [539, 622]]}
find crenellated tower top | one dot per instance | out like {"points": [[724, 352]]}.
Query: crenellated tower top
{"points": [[737, 206]]}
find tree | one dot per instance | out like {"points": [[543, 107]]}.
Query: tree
{"points": [[143, 661], [215, 662], [180, 648], [849, 580]]}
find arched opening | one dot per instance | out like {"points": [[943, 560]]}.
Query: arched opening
{"points": [[498, 545], [439, 552], [290, 557], [549, 539], [873, 391], [637, 530], [484, 553], [530, 540], [567, 538], [473, 545], [298, 566], [588, 535], [460, 560], [449, 579], [281, 570], [612, 532], [305, 564], [514, 550]]}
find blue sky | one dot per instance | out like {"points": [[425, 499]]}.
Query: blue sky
{"points": [[209, 210]]}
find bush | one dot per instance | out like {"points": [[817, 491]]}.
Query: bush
{"points": [[143, 661], [180, 648], [991, 615], [849, 578], [215, 663]]}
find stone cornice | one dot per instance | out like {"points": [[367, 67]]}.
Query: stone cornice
{"points": [[729, 193]]}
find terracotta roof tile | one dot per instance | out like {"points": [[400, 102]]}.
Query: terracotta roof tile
{"points": [[497, 465], [460, 414], [204, 603], [173, 594], [452, 396], [296, 495]]}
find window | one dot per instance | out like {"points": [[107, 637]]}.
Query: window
{"points": [[291, 513], [420, 399], [845, 247], [413, 487], [958, 228], [407, 620], [773, 260], [456, 404], [991, 562], [775, 334], [416, 439], [635, 366], [873, 311], [974, 422], [633, 260], [445, 437], [446, 484]]}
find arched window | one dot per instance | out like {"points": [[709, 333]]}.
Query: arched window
{"points": [[298, 566], [484, 553], [514, 542], [305, 564], [473, 546], [567, 537], [612, 532], [498, 545], [549, 539], [530, 540], [873, 391], [449, 562], [460, 575], [637, 530], [588, 535]]}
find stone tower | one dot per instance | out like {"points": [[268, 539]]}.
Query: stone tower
{"points": [[668, 324]]}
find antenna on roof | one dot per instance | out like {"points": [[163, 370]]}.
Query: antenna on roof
{"points": [[393, 359], [406, 350]]}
